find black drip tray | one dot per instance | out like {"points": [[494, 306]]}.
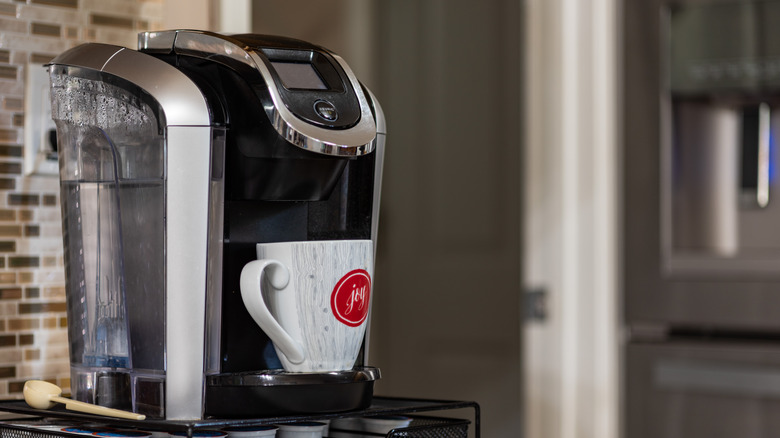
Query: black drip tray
{"points": [[275, 392]]}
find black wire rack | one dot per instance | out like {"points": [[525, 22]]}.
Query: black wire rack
{"points": [[436, 423]]}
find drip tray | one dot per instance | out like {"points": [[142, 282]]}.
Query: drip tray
{"points": [[275, 392]]}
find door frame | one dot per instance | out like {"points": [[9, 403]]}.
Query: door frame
{"points": [[571, 232]]}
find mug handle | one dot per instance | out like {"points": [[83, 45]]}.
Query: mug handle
{"points": [[252, 294]]}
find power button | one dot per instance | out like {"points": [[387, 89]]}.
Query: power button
{"points": [[326, 110]]}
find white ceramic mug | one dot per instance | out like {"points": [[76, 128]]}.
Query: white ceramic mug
{"points": [[312, 299], [310, 429], [382, 425]]}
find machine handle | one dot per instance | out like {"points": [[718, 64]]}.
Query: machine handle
{"points": [[252, 293]]}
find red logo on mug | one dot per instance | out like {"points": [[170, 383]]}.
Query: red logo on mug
{"points": [[349, 300]]}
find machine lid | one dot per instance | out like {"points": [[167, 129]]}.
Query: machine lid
{"points": [[340, 123], [181, 100]]}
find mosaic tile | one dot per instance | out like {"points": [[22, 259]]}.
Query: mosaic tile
{"points": [[119, 37], [35, 43], [7, 184], [32, 354], [10, 293], [15, 324], [8, 135], [14, 168], [8, 72], [110, 20], [18, 120], [41, 58], [31, 231], [49, 277], [56, 352], [7, 246], [7, 340], [10, 231], [13, 104], [7, 9], [10, 151], [129, 9], [52, 337], [16, 386], [11, 88], [62, 3], [44, 29], [23, 199], [6, 372], [24, 261], [18, 57], [32, 292], [26, 339], [54, 292], [12, 25], [45, 14], [26, 308], [10, 355], [41, 368], [7, 277], [5, 56]]}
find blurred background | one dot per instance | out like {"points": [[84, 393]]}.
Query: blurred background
{"points": [[577, 223]]}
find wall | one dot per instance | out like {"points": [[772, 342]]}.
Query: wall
{"points": [[33, 335]]}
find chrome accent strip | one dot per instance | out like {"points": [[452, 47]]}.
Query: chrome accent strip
{"points": [[157, 41], [179, 97], [379, 149], [187, 207], [280, 377], [355, 141]]}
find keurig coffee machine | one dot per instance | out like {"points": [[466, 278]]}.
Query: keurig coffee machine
{"points": [[176, 161]]}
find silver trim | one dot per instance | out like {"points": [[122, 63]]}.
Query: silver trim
{"points": [[378, 166], [280, 377], [355, 141], [187, 175]]}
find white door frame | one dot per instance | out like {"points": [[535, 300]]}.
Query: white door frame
{"points": [[571, 228]]}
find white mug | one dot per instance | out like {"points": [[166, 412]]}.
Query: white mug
{"points": [[312, 300], [311, 429], [384, 424]]}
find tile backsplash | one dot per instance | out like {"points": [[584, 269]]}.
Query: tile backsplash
{"points": [[33, 320]]}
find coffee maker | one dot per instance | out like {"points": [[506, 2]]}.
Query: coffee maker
{"points": [[175, 161]]}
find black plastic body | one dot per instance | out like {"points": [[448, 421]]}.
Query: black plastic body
{"points": [[275, 192]]}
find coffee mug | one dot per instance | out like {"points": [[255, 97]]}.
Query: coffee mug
{"points": [[310, 429], [312, 299]]}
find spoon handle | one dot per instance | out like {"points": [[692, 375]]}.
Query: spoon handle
{"points": [[74, 405]]}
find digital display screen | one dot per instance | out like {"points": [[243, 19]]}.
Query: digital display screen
{"points": [[299, 75]]}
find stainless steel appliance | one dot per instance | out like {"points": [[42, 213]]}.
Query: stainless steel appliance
{"points": [[701, 208], [175, 161]]}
